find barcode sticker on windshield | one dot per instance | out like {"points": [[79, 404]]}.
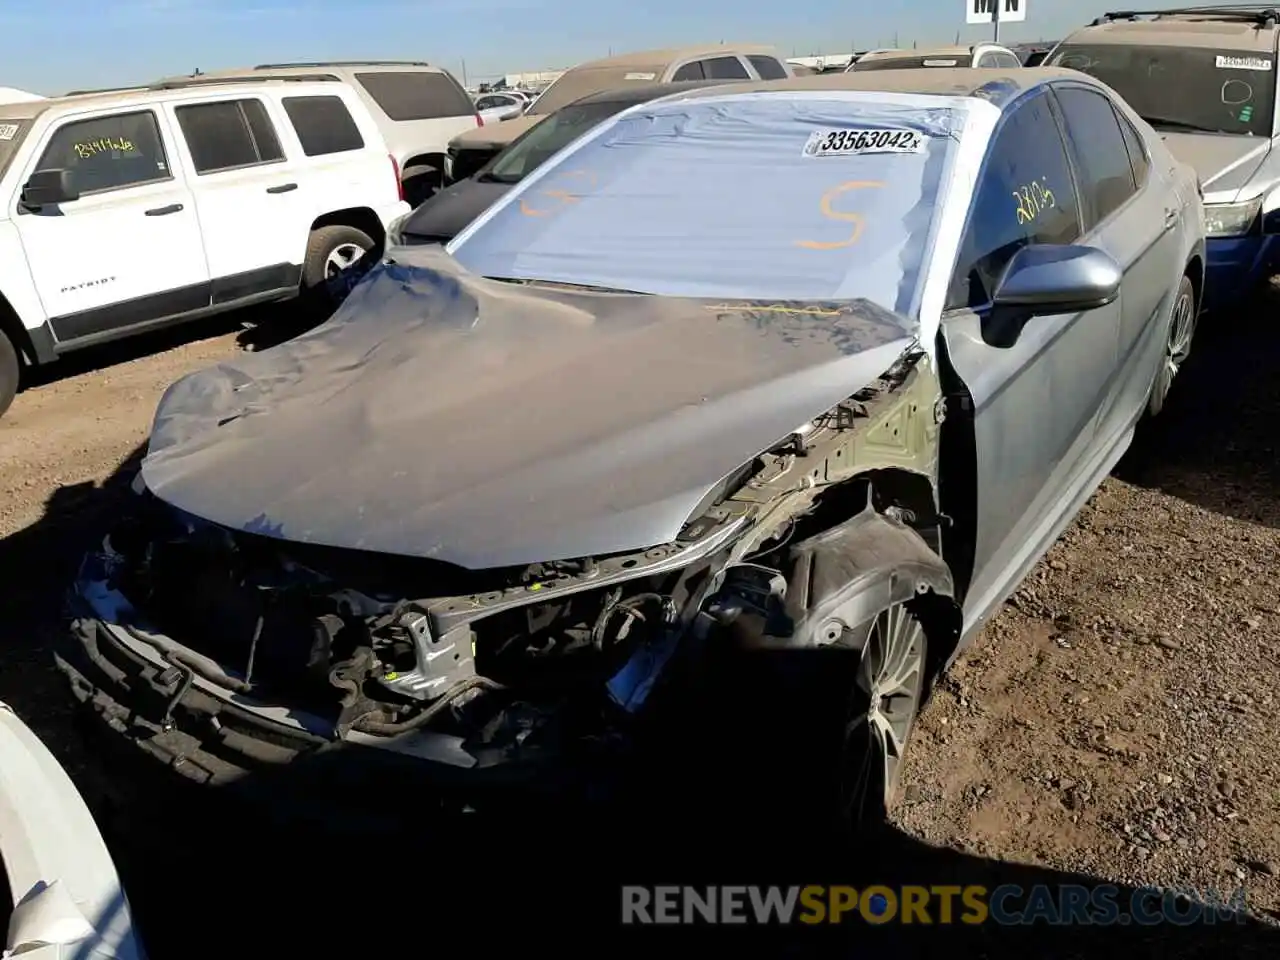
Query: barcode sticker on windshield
{"points": [[640, 76], [8, 131], [1242, 63], [836, 143]]}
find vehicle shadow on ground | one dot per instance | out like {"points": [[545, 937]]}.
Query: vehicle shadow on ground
{"points": [[1216, 443], [282, 864]]}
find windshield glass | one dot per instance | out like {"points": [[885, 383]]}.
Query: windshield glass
{"points": [[12, 133], [1217, 91], [911, 63], [762, 197], [546, 139]]}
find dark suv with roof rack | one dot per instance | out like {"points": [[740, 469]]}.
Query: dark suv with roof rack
{"points": [[1205, 78]]}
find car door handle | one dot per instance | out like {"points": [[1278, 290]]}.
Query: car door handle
{"points": [[282, 188], [1171, 217], [162, 211]]}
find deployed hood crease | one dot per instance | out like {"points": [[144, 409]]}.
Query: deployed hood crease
{"points": [[484, 423]]}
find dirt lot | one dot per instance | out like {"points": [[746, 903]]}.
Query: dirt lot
{"points": [[1118, 719]]}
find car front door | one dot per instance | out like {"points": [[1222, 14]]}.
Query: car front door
{"points": [[1036, 391], [1134, 216], [128, 251]]}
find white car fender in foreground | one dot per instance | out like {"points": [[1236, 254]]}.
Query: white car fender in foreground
{"points": [[67, 898]]}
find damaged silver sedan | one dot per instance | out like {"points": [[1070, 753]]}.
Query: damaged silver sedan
{"points": [[804, 372]]}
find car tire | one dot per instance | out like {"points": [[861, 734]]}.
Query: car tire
{"points": [[1177, 345], [420, 182], [817, 731], [10, 372], [330, 250]]}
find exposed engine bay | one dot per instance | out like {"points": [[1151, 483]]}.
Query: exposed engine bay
{"points": [[495, 665]]}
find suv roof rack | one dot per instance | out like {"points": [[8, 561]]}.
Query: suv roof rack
{"points": [[203, 81], [345, 63], [96, 90], [1261, 13]]}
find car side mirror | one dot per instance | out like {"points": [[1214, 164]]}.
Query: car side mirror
{"points": [[1046, 279], [50, 187]]}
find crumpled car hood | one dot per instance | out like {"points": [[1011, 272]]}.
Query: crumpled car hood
{"points": [[483, 423]]}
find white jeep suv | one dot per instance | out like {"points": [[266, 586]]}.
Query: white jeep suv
{"points": [[125, 210]]}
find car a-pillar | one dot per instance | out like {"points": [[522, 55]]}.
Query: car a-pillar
{"points": [[808, 706]]}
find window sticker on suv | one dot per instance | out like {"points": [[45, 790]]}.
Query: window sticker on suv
{"points": [[1242, 63]]}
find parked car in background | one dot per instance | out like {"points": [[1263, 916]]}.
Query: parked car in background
{"points": [[1206, 80], [418, 107], [131, 209], [440, 218], [978, 55], [774, 464], [494, 107], [66, 898], [471, 150], [1033, 54]]}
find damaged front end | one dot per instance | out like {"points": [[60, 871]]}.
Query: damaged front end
{"points": [[224, 651]]}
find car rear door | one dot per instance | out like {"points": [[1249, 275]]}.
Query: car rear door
{"points": [[128, 252], [1133, 215], [1036, 391], [245, 192]]}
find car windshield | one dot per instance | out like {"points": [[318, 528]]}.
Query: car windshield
{"points": [[912, 63], [547, 139], [756, 196], [1183, 88]]}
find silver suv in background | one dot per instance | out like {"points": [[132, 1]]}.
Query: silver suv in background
{"points": [[978, 55], [418, 107], [1205, 78]]}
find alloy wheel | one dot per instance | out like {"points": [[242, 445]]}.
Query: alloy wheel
{"points": [[1182, 328], [340, 258], [882, 710]]}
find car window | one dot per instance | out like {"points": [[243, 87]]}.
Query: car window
{"points": [[416, 94], [228, 134], [1137, 150], [1025, 195], [539, 144], [690, 71], [486, 103], [109, 153], [324, 125], [1007, 60], [768, 67], [725, 68], [1106, 175], [660, 201], [1183, 88]]}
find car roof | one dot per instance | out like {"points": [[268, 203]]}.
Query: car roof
{"points": [[658, 60], [1215, 30], [936, 81], [903, 54], [138, 96], [322, 66], [649, 91]]}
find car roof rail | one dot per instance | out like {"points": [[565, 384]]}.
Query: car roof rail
{"points": [[203, 81], [1266, 14], [344, 63], [97, 90]]}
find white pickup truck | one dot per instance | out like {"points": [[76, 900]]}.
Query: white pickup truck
{"points": [[125, 210]]}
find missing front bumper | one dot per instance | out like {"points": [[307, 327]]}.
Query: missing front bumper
{"points": [[218, 740]]}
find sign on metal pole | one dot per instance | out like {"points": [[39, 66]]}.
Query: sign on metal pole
{"points": [[984, 11]]}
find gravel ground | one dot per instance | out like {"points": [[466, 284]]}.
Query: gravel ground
{"points": [[1116, 720]]}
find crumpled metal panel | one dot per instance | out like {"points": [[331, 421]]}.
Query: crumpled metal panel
{"points": [[483, 423]]}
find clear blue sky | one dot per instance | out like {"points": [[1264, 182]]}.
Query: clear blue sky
{"points": [[56, 45]]}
